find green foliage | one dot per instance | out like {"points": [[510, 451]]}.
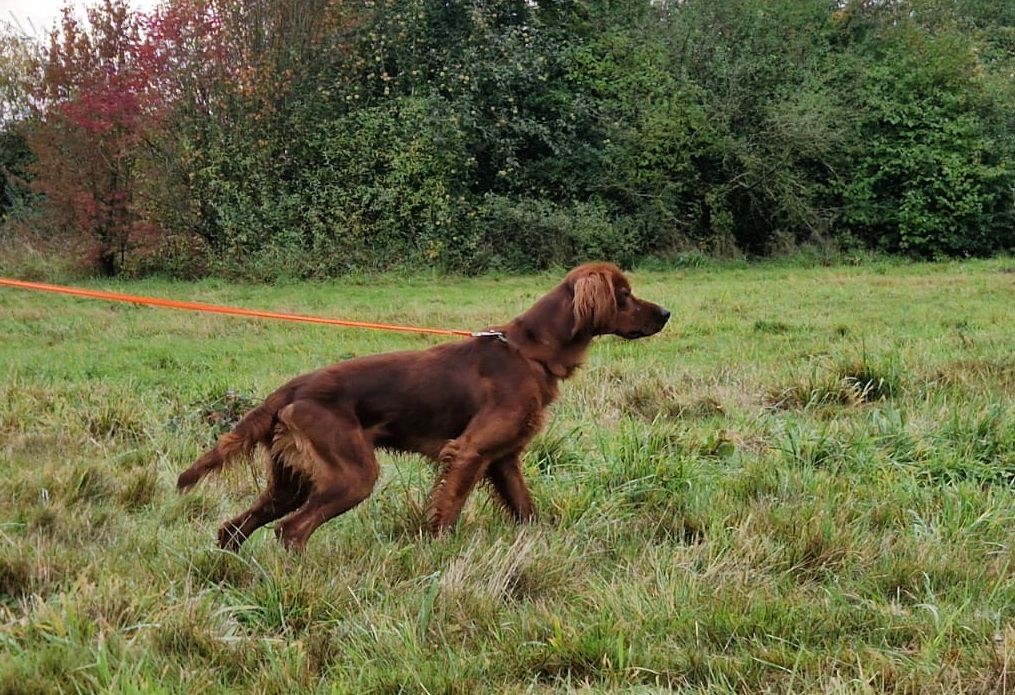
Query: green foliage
{"points": [[537, 234], [932, 177], [317, 139], [18, 62], [774, 123], [15, 156], [380, 187]]}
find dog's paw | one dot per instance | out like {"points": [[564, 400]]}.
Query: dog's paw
{"points": [[230, 537]]}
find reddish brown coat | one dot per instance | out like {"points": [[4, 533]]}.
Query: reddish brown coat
{"points": [[472, 406]]}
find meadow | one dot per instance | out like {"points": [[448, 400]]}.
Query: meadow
{"points": [[805, 483]]}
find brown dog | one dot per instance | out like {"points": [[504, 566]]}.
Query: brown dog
{"points": [[471, 405]]}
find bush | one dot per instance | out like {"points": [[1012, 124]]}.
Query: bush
{"points": [[929, 178], [315, 139], [536, 234]]}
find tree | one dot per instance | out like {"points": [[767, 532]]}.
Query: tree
{"points": [[18, 63], [97, 103], [930, 161]]}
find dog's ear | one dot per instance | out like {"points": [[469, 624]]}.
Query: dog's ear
{"points": [[595, 303]]}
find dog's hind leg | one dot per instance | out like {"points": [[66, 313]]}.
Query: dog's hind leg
{"points": [[340, 463], [287, 489]]}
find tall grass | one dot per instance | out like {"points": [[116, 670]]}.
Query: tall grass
{"points": [[804, 484]]}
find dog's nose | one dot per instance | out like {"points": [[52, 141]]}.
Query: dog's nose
{"points": [[664, 314]]}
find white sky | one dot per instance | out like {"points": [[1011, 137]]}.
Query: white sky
{"points": [[42, 13]]}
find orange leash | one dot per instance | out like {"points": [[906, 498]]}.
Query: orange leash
{"points": [[216, 309]]}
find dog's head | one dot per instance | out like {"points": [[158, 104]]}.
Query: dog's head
{"points": [[604, 304]]}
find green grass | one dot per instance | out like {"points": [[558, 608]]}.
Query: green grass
{"points": [[804, 484]]}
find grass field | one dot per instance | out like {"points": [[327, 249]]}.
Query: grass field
{"points": [[805, 483]]}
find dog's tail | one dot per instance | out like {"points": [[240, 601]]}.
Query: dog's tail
{"points": [[253, 428]]}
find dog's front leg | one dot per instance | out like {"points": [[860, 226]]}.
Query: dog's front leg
{"points": [[508, 483], [461, 467], [493, 434]]}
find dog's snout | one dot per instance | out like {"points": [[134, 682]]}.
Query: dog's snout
{"points": [[664, 314]]}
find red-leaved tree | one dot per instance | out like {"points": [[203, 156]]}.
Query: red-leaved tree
{"points": [[98, 100]]}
